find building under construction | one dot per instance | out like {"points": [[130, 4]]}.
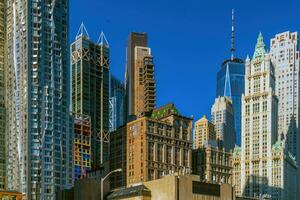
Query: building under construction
{"points": [[90, 90], [82, 145]]}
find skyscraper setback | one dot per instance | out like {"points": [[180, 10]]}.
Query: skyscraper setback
{"points": [[140, 83], [284, 52], [90, 90], [39, 139]]}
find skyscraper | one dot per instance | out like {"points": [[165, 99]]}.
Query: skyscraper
{"points": [[265, 167], [230, 83], [223, 120], [117, 105], [284, 52], [37, 88], [3, 156], [90, 89], [140, 83], [204, 132]]}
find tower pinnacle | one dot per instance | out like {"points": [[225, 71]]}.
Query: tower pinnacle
{"points": [[232, 49]]}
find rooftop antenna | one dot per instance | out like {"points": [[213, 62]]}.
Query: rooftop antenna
{"points": [[232, 49]]}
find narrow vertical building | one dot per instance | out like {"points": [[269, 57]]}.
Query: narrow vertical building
{"points": [[40, 156], [3, 155], [223, 119], [266, 169], [90, 90], [117, 105], [204, 132], [284, 52], [140, 83]]}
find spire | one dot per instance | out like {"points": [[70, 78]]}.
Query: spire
{"points": [[82, 32], [102, 40], [232, 49], [260, 50]]}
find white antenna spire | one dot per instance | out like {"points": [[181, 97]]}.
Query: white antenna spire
{"points": [[82, 32], [232, 49], [102, 40]]}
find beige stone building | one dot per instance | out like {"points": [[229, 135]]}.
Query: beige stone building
{"points": [[204, 132], [212, 164], [157, 145]]}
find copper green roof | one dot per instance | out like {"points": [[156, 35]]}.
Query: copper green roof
{"points": [[260, 50], [164, 111]]}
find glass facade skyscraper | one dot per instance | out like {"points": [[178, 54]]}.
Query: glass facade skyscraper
{"points": [[231, 83], [117, 106], [39, 140]]}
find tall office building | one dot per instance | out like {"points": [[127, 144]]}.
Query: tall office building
{"points": [[140, 83], [157, 145], [204, 132], [284, 52], [117, 105], [266, 170], [3, 155], [223, 120], [230, 83], [39, 142], [90, 89]]}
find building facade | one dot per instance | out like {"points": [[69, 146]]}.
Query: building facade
{"points": [[82, 145], [140, 83], [117, 157], [3, 153], [212, 164], [223, 119], [117, 104], [175, 187], [231, 83], [39, 139], [265, 168], [284, 53], [204, 132], [158, 144], [90, 90]]}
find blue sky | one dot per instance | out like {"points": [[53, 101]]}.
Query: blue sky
{"points": [[189, 38]]}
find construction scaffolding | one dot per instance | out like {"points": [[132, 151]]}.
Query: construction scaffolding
{"points": [[82, 145]]}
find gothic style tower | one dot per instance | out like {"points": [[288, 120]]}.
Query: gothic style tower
{"points": [[265, 168]]}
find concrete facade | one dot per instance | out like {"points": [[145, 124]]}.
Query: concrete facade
{"points": [[178, 187]]}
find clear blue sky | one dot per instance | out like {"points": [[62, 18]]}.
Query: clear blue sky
{"points": [[189, 38]]}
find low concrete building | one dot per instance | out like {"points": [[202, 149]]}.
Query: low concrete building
{"points": [[175, 187]]}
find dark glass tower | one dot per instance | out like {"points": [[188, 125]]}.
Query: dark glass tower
{"points": [[231, 83]]}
